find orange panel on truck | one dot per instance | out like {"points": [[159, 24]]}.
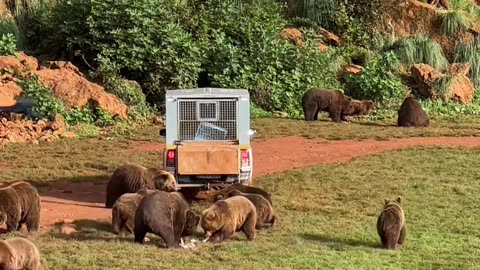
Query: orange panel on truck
{"points": [[199, 158]]}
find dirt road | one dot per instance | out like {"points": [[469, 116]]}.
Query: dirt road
{"points": [[86, 200]]}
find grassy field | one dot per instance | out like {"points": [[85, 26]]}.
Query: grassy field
{"points": [[328, 223], [359, 129]]}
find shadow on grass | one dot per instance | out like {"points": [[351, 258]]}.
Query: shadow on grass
{"points": [[78, 189], [330, 240]]}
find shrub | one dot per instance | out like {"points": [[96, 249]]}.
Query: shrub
{"points": [[8, 44], [145, 41], [276, 72], [470, 53], [421, 49], [453, 22], [9, 27], [377, 82]]}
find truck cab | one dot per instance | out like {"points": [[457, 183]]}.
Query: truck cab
{"points": [[207, 139]]}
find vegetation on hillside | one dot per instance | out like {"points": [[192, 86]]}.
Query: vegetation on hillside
{"points": [[236, 44]]}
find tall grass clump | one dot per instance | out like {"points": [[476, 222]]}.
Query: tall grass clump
{"points": [[9, 26], [470, 53], [453, 22], [421, 49]]}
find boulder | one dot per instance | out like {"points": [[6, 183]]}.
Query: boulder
{"points": [[353, 69], [425, 76], [29, 62], [322, 46], [460, 89], [332, 39], [460, 68], [292, 34]]}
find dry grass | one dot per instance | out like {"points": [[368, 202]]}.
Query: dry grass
{"points": [[328, 223]]}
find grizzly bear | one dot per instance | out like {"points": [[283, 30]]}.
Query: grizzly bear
{"points": [[131, 177], [165, 214], [391, 224], [123, 211], [411, 114], [225, 217], [3, 218], [357, 108], [244, 189], [318, 100], [265, 216], [19, 253], [21, 203]]}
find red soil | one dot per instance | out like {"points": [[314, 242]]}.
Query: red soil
{"points": [[86, 200]]}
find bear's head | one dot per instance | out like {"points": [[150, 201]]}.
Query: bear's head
{"points": [[191, 223], [397, 201], [211, 221], [3, 218], [165, 181], [369, 105]]}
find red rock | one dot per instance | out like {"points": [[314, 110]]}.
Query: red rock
{"points": [[460, 89], [353, 69], [332, 39], [460, 68], [294, 35], [425, 76]]}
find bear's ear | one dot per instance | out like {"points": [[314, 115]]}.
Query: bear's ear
{"points": [[385, 201], [211, 216], [399, 199]]}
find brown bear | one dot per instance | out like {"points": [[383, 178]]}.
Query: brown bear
{"points": [[244, 189], [3, 218], [265, 215], [357, 108], [19, 253], [411, 114], [166, 214], [123, 211], [21, 203], [131, 177], [225, 217], [318, 100], [391, 224]]}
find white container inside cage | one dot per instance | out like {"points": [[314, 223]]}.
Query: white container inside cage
{"points": [[207, 131]]}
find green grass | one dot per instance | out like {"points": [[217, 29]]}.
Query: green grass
{"points": [[421, 49], [328, 223], [453, 22], [470, 53]]}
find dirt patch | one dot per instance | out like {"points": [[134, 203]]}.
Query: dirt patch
{"points": [[85, 200]]}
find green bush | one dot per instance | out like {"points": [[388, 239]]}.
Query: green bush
{"points": [[377, 82], [453, 22], [9, 27], [8, 44]]}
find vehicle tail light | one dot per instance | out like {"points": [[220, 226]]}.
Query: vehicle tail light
{"points": [[245, 155], [170, 158]]}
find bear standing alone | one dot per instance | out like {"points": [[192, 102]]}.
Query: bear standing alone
{"points": [[21, 204], [130, 178], [166, 214], [19, 253], [411, 114], [225, 217], [391, 224]]}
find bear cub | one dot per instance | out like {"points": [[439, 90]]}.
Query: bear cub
{"points": [[391, 224], [265, 216]]}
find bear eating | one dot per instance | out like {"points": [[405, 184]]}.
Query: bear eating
{"points": [[131, 177], [411, 114], [391, 224], [20, 203], [357, 108], [265, 215], [225, 217], [245, 189], [165, 214]]}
